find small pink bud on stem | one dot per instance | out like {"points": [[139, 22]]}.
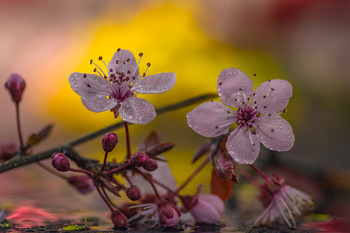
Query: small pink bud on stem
{"points": [[15, 85], [133, 193], [150, 165], [138, 159], [60, 162], [83, 184], [119, 219], [109, 141]]}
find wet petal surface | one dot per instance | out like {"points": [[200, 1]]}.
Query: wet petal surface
{"points": [[211, 119], [275, 133], [243, 146], [234, 87], [273, 96], [136, 110], [88, 84], [123, 62], [96, 103], [157, 83]]}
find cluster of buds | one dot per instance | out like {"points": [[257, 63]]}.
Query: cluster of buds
{"points": [[140, 159]]}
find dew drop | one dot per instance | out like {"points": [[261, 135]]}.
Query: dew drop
{"points": [[281, 127]]}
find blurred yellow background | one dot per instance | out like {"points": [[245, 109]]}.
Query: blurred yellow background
{"points": [[304, 42]]}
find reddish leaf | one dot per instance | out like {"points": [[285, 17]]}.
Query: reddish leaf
{"points": [[220, 187], [159, 148], [152, 139], [36, 138]]}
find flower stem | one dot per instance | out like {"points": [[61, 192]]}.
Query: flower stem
{"points": [[51, 171], [194, 173], [257, 170], [17, 162], [81, 170], [248, 176], [128, 150], [104, 162], [19, 128], [118, 168], [150, 181], [103, 197]]}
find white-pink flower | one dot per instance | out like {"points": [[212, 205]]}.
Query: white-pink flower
{"points": [[207, 208], [116, 90], [282, 203], [256, 115]]}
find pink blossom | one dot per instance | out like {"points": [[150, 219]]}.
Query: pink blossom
{"points": [[207, 208], [256, 115], [117, 90], [282, 202]]}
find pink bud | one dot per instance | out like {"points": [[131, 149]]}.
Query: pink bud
{"points": [[109, 141], [83, 184], [118, 218], [15, 85], [138, 159], [207, 209], [133, 193], [150, 165], [224, 168], [60, 162], [169, 215]]}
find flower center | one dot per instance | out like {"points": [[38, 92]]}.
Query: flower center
{"points": [[246, 116]]}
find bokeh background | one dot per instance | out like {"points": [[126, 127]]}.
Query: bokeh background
{"points": [[303, 41]]}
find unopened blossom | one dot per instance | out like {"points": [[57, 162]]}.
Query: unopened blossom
{"points": [[282, 203], [15, 84], [60, 162], [207, 208], [119, 219], [117, 88], [256, 115], [83, 183], [169, 214]]}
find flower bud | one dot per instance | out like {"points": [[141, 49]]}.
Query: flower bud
{"points": [[224, 168], [150, 165], [8, 151], [133, 193], [60, 162], [15, 85], [138, 159], [169, 215], [83, 184], [207, 209], [109, 141], [118, 218]]}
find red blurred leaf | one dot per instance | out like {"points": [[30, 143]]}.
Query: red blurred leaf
{"points": [[152, 139], [220, 187], [36, 138], [159, 148]]}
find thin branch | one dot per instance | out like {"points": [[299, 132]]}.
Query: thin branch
{"points": [[89, 163]]}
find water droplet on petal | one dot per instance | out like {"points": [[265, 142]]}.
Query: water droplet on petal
{"points": [[281, 127]]}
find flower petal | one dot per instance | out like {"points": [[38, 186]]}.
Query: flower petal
{"points": [[273, 96], [137, 111], [211, 119], [243, 146], [234, 87], [88, 84], [157, 83], [275, 133], [96, 103], [208, 210], [123, 61]]}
